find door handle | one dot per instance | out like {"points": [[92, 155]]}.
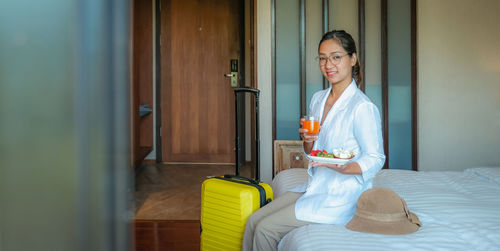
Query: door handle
{"points": [[234, 78], [234, 73]]}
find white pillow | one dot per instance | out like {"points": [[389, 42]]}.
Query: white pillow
{"points": [[288, 179], [489, 173]]}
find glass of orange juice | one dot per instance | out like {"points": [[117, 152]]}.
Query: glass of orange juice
{"points": [[311, 124]]}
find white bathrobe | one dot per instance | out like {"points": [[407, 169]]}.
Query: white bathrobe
{"points": [[353, 123]]}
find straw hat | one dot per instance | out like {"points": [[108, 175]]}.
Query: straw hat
{"points": [[382, 211]]}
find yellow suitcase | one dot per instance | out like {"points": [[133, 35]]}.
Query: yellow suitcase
{"points": [[226, 204]]}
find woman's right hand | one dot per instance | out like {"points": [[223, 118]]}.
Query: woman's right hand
{"points": [[305, 135]]}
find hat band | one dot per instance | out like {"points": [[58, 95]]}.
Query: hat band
{"points": [[381, 217]]}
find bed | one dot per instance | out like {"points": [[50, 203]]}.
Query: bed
{"points": [[459, 210]]}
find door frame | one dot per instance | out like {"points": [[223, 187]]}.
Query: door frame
{"points": [[157, 73], [247, 13]]}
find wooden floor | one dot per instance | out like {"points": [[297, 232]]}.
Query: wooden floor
{"points": [[158, 235], [167, 205]]}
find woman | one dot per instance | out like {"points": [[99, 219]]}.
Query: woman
{"points": [[349, 120]]}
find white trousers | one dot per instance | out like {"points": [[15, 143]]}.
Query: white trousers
{"points": [[265, 228]]}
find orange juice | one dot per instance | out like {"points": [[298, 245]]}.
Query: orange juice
{"points": [[311, 126]]}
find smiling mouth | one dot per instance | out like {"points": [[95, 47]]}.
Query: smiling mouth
{"points": [[331, 73]]}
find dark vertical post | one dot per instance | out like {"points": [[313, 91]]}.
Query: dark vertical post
{"points": [[325, 30], [241, 83], [414, 108], [158, 149], [361, 43], [385, 81], [302, 57]]}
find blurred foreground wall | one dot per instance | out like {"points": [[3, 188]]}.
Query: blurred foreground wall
{"points": [[64, 125]]}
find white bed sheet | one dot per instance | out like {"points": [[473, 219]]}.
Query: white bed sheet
{"points": [[458, 211]]}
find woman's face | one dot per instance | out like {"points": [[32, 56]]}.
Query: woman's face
{"points": [[334, 62]]}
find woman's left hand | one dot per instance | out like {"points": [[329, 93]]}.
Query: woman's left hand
{"points": [[336, 167]]}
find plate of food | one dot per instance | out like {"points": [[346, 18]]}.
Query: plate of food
{"points": [[338, 156]]}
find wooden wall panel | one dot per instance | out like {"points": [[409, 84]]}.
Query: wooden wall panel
{"points": [[142, 79]]}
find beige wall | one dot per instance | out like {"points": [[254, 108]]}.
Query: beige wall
{"points": [[264, 82], [344, 16], [458, 84]]}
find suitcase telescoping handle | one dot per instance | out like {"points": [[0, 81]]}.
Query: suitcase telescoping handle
{"points": [[247, 89], [255, 92]]}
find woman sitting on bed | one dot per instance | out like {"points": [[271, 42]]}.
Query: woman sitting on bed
{"points": [[349, 120]]}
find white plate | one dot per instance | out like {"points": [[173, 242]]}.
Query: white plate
{"points": [[327, 160]]}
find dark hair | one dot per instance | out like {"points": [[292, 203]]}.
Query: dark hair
{"points": [[348, 44]]}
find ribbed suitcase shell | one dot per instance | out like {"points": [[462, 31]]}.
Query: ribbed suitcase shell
{"points": [[225, 208]]}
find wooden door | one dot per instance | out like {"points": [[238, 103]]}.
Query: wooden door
{"points": [[199, 38]]}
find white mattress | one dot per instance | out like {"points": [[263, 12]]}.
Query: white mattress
{"points": [[458, 211]]}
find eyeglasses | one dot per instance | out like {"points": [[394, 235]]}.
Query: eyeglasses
{"points": [[334, 59]]}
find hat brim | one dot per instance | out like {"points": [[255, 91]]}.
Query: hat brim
{"points": [[360, 224]]}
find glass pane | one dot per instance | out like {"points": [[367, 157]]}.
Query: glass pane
{"points": [[314, 31], [399, 66], [287, 69], [373, 76]]}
